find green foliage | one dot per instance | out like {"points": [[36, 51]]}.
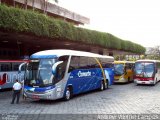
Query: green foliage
{"points": [[41, 25], [153, 57]]}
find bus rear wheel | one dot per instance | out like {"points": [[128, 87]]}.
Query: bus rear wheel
{"points": [[68, 94], [103, 87]]}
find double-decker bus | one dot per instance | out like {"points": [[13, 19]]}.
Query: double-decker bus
{"points": [[55, 74], [123, 71], [9, 72], [147, 72]]}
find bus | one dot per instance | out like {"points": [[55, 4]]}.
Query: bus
{"points": [[9, 72], [123, 71], [55, 74], [147, 72]]}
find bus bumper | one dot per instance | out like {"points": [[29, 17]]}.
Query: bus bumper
{"points": [[149, 82], [48, 95], [120, 80]]}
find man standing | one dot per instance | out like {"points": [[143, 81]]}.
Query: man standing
{"points": [[16, 91]]}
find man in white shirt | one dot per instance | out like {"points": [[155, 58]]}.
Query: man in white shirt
{"points": [[16, 91]]}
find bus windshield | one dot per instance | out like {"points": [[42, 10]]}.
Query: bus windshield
{"points": [[39, 72], [119, 69], [144, 69]]}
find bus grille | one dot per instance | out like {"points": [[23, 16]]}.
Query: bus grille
{"points": [[35, 92]]}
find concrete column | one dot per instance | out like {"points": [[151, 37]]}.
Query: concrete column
{"points": [[105, 52], [94, 50]]}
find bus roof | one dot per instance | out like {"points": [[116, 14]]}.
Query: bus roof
{"points": [[117, 62], [147, 60], [62, 52]]}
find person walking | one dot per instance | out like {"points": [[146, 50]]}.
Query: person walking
{"points": [[16, 91]]}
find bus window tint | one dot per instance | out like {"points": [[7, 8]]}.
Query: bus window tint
{"points": [[93, 63], [83, 64], [5, 67], [106, 64], [15, 66], [74, 63], [129, 65]]}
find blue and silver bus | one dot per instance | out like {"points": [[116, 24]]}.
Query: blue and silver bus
{"points": [[55, 74]]}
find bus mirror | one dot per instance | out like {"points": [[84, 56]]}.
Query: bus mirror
{"points": [[20, 67], [55, 66]]}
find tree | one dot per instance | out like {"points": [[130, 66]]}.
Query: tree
{"points": [[153, 52]]}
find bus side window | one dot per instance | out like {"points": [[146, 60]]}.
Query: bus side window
{"points": [[83, 63], [5, 66], [93, 63], [127, 66], [74, 63], [106, 64], [132, 66], [15, 66]]}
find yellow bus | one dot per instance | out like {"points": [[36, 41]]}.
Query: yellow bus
{"points": [[123, 71]]}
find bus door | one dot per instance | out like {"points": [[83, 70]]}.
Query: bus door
{"points": [[73, 74], [128, 71]]}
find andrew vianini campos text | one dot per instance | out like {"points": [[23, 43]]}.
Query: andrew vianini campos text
{"points": [[128, 117]]}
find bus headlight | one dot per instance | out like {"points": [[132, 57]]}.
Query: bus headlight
{"points": [[59, 89]]}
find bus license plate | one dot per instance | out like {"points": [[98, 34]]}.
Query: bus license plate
{"points": [[35, 97]]}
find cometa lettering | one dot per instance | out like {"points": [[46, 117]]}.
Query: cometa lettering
{"points": [[84, 74]]}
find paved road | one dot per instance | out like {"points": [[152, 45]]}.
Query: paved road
{"points": [[118, 99]]}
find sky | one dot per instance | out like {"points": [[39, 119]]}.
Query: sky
{"points": [[134, 20]]}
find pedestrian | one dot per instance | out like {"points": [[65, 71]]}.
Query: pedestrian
{"points": [[16, 91]]}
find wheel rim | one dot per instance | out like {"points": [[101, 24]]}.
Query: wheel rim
{"points": [[68, 94]]}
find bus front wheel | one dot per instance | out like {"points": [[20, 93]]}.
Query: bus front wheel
{"points": [[68, 94]]}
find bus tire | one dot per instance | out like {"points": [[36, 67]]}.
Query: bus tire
{"points": [[68, 94], [102, 87], [107, 84]]}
